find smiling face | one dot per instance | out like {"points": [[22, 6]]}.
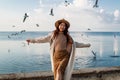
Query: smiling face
{"points": [[62, 27]]}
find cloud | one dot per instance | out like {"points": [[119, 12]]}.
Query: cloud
{"points": [[82, 3], [116, 13], [80, 13], [102, 11], [116, 16]]}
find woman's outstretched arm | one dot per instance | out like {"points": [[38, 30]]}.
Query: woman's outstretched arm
{"points": [[82, 45], [40, 40]]}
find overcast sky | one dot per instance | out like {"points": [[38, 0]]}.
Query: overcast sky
{"points": [[80, 14]]}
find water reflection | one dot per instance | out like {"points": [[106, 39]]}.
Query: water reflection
{"points": [[115, 47], [85, 62]]}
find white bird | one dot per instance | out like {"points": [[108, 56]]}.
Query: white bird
{"points": [[89, 29], [66, 3], [22, 31], [9, 37], [96, 4], [13, 26], [25, 16], [51, 12], [37, 25], [8, 50], [94, 53]]}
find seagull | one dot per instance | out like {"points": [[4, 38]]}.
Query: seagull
{"points": [[114, 36], [66, 3], [13, 26], [9, 37], [22, 31], [37, 25], [51, 12], [25, 16], [9, 50], [14, 34], [96, 4], [89, 29], [94, 53]]}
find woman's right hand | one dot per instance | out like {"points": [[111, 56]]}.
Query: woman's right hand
{"points": [[28, 41]]}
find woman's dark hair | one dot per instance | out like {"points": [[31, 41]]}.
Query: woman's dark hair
{"points": [[56, 32]]}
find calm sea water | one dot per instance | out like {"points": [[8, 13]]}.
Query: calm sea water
{"points": [[16, 56]]}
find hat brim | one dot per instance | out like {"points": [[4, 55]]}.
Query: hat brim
{"points": [[57, 23]]}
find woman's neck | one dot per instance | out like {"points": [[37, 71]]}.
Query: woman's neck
{"points": [[60, 31]]}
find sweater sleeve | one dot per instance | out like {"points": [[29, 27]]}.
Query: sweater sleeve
{"points": [[82, 45], [44, 39]]}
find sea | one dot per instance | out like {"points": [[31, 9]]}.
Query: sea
{"points": [[17, 56]]}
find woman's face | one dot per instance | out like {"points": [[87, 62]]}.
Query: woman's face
{"points": [[62, 27]]}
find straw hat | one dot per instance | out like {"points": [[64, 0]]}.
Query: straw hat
{"points": [[57, 23]]}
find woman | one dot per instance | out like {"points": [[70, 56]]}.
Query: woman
{"points": [[62, 48]]}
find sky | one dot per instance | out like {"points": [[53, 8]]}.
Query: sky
{"points": [[80, 14]]}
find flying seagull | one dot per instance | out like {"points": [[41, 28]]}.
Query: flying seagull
{"points": [[13, 26], [51, 12], [96, 4], [9, 50], [22, 31], [89, 29], [37, 25], [9, 37], [94, 53], [66, 3], [25, 16]]}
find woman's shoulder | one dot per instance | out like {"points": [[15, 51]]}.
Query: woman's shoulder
{"points": [[68, 33], [51, 34]]}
